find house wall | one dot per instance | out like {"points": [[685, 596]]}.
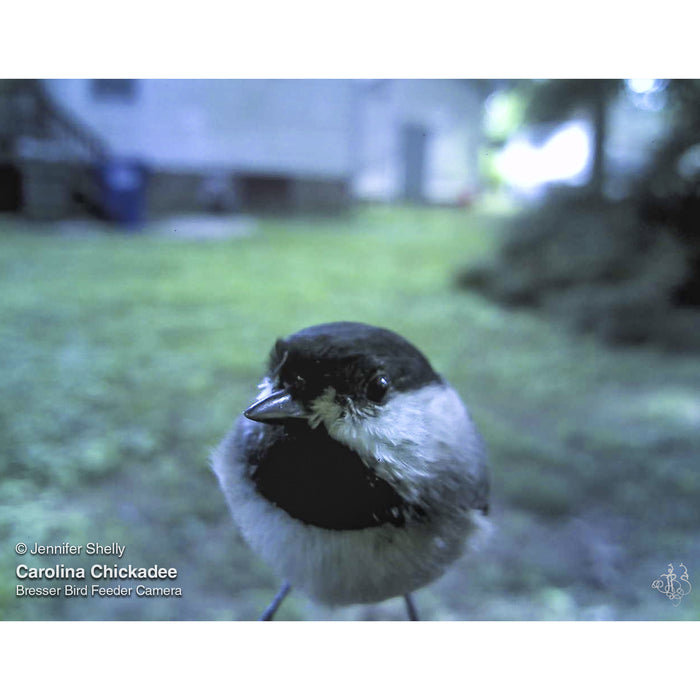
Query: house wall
{"points": [[294, 128], [315, 143], [448, 112]]}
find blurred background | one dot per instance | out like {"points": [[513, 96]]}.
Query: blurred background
{"points": [[538, 240]]}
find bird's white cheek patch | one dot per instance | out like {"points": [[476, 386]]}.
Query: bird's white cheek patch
{"points": [[407, 420], [403, 439], [411, 439]]}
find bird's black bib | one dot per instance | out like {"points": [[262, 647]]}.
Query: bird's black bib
{"points": [[320, 481]]}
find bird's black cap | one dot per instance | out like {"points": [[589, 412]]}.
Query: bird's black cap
{"points": [[354, 351]]}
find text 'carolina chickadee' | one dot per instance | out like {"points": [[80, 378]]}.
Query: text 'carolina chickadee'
{"points": [[357, 473]]}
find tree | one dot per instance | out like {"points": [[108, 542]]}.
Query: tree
{"points": [[627, 270], [668, 193], [557, 100]]}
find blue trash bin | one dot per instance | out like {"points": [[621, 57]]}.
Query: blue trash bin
{"points": [[123, 191]]}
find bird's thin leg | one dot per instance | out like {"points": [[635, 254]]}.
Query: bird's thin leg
{"points": [[411, 608], [276, 602]]}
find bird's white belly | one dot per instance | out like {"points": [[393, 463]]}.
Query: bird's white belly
{"points": [[333, 566]]}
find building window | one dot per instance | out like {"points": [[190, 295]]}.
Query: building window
{"points": [[114, 90]]}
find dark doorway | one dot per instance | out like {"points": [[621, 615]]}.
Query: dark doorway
{"points": [[415, 138], [10, 187]]}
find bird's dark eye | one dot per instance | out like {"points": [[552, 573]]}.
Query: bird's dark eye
{"points": [[377, 388]]}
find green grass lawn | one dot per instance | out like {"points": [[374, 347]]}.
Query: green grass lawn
{"points": [[126, 357]]}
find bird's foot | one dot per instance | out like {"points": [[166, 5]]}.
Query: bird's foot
{"points": [[411, 608], [269, 613]]}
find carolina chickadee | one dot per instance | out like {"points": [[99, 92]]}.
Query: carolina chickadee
{"points": [[357, 473]]}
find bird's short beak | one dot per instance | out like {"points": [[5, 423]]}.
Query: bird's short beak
{"points": [[275, 407]]}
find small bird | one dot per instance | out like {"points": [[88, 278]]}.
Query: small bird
{"points": [[357, 473]]}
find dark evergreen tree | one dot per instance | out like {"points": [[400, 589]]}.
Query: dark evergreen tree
{"points": [[619, 268]]}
